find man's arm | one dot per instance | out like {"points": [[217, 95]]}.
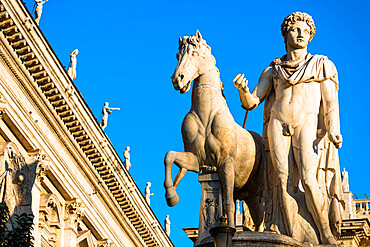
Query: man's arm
{"points": [[263, 88], [113, 109], [329, 96]]}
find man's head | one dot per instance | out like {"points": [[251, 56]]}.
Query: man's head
{"points": [[295, 17]]}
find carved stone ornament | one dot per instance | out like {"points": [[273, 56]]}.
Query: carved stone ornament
{"points": [[74, 212], [43, 165], [28, 23], [104, 143], [210, 213], [70, 90], [50, 210], [50, 216], [105, 243], [130, 187], [154, 224]]}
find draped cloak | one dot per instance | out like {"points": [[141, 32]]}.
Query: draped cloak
{"points": [[311, 69]]}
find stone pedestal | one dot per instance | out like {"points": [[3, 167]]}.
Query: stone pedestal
{"points": [[260, 239], [210, 204]]}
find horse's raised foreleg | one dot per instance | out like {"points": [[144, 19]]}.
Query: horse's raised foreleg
{"points": [[226, 174], [186, 161]]}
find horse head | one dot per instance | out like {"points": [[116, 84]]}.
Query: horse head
{"points": [[194, 59]]}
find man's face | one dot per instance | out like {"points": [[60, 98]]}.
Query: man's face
{"points": [[298, 35]]}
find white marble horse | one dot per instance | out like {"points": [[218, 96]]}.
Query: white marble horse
{"points": [[212, 139]]}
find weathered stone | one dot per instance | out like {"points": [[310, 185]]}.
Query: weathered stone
{"points": [[213, 140], [210, 204], [301, 136]]}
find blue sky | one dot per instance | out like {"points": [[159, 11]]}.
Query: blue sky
{"points": [[127, 55]]}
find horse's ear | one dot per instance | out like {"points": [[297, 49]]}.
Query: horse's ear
{"points": [[199, 36]]}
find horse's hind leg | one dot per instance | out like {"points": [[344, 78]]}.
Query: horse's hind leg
{"points": [[185, 161], [255, 205]]}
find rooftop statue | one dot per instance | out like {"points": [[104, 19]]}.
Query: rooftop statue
{"points": [[127, 155], [345, 183], [213, 141], [147, 192], [167, 225], [71, 71], [301, 136], [105, 112], [38, 10]]}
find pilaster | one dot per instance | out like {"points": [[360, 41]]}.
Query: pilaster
{"points": [[74, 213]]}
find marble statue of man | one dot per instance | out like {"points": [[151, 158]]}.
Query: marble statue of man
{"points": [[71, 71], [301, 107], [345, 183], [105, 112], [38, 10], [127, 155], [167, 225], [147, 193]]}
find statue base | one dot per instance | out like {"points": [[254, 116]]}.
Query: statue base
{"points": [[210, 204], [261, 239]]}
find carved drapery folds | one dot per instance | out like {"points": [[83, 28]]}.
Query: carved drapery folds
{"points": [[74, 213], [17, 176]]}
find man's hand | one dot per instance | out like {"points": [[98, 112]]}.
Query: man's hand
{"points": [[336, 139], [241, 83]]}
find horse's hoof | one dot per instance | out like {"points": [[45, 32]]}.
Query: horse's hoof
{"points": [[171, 197]]}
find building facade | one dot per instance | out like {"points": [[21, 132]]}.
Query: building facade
{"points": [[62, 167], [355, 228]]}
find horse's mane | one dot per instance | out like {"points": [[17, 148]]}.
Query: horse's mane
{"points": [[193, 40]]}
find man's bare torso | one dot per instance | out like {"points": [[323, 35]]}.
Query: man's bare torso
{"points": [[294, 102]]}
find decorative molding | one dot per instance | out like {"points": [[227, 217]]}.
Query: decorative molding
{"points": [[27, 22], [105, 243], [70, 90], [44, 164], [74, 212], [50, 217], [2, 101]]}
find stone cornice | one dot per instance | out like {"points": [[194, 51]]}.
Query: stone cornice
{"points": [[50, 87], [357, 230]]}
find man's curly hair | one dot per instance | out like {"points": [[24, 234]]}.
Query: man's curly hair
{"points": [[294, 17]]}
